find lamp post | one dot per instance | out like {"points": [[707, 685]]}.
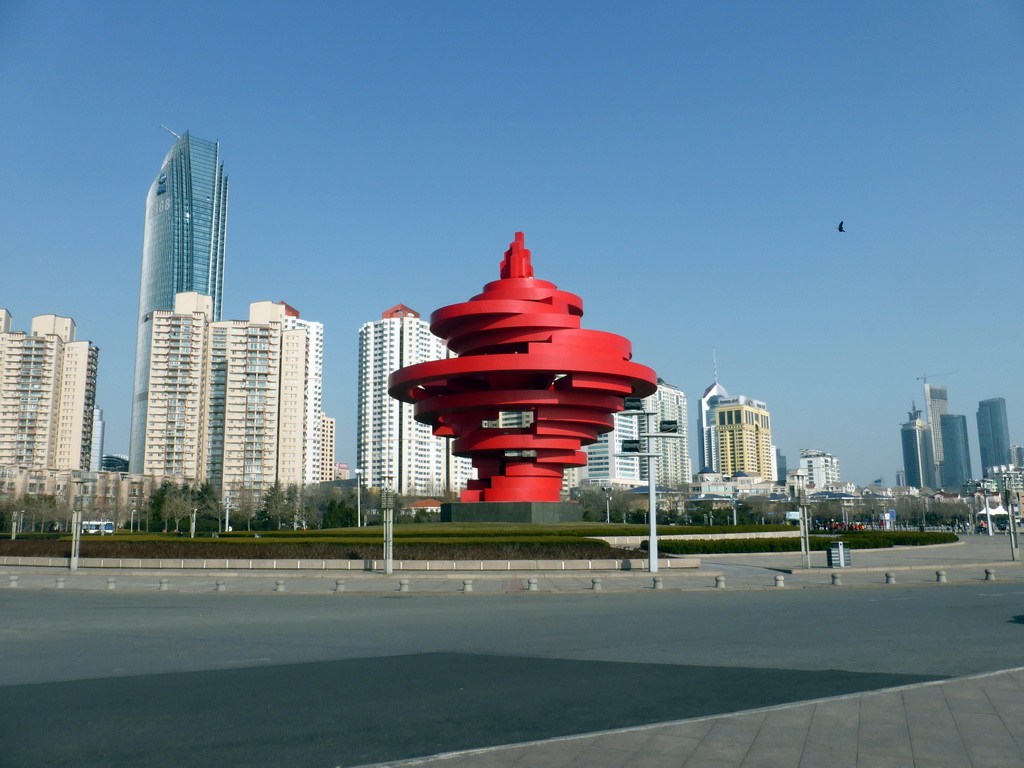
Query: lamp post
{"points": [[607, 504], [798, 489], [1011, 527], [634, 406], [387, 509], [359, 497], [76, 522]]}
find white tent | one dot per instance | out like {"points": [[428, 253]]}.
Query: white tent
{"points": [[993, 511]]}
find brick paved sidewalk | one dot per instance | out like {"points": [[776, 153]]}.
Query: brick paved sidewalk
{"points": [[966, 722]]}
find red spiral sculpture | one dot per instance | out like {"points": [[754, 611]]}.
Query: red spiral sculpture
{"points": [[521, 349]]}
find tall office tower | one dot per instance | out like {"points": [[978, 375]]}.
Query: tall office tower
{"points": [[956, 467], [391, 446], [182, 251], [918, 465], [781, 467], [227, 399], [605, 468], [313, 461], [47, 394], [673, 465], [993, 434], [327, 466], [744, 434], [96, 452], [708, 433], [822, 468], [936, 403]]}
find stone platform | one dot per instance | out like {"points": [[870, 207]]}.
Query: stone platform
{"points": [[511, 512]]}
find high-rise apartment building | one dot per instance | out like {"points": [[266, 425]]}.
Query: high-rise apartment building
{"points": [[822, 468], [1017, 456], [314, 465], [956, 466], [916, 438], [47, 394], [182, 251], [96, 452], [993, 434], [673, 465], [744, 437], [391, 446], [936, 401], [227, 400], [327, 468], [606, 466]]}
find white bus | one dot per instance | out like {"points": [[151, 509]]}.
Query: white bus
{"points": [[97, 526]]}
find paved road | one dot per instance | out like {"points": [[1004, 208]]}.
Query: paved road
{"points": [[163, 678]]}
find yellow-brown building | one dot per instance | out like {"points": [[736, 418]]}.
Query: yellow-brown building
{"points": [[744, 434]]}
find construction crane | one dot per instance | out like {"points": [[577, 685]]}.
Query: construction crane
{"points": [[927, 376]]}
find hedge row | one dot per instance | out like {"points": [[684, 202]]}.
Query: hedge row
{"points": [[553, 548]]}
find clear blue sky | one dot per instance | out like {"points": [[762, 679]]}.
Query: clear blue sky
{"points": [[682, 166]]}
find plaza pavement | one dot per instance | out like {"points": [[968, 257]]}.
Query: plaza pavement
{"points": [[975, 721]]}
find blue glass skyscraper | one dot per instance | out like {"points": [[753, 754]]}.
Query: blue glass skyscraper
{"points": [[956, 469], [182, 250], [993, 434]]}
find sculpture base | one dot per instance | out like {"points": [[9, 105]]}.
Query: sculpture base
{"points": [[511, 512]]}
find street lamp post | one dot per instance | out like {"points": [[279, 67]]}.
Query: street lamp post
{"points": [[607, 504], [387, 504], [76, 523], [634, 406], [359, 498]]}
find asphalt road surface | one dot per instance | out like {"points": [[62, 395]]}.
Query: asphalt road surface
{"points": [[169, 679]]}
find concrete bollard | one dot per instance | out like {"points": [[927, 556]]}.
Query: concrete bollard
{"points": [[837, 580], [531, 585], [403, 585], [595, 583], [163, 584], [221, 585], [890, 577], [658, 583], [719, 582], [280, 585], [990, 574], [60, 582], [13, 582], [467, 585], [940, 577], [780, 580], [339, 585], [111, 583]]}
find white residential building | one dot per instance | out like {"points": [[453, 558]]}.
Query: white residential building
{"points": [[227, 400], [314, 457], [822, 469], [391, 446], [47, 394], [604, 467], [673, 465]]}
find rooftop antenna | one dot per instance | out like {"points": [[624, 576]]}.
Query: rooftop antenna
{"points": [[170, 131], [714, 362]]}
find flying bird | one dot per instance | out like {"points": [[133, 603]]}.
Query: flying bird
{"points": [[840, 227]]}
